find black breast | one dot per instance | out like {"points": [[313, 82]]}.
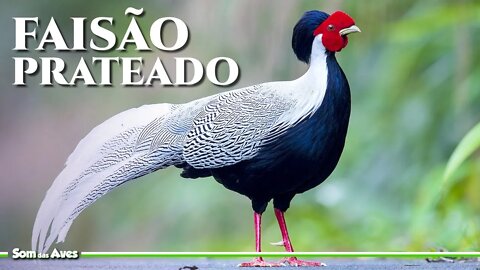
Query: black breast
{"points": [[300, 159]]}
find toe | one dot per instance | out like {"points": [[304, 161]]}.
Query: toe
{"points": [[296, 262]]}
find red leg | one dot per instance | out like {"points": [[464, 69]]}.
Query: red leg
{"points": [[258, 262], [292, 261]]}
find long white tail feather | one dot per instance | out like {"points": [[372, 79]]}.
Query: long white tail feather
{"points": [[107, 157], [210, 132]]}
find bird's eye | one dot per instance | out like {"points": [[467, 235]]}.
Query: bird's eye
{"points": [[330, 27]]}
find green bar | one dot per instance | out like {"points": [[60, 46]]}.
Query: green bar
{"points": [[398, 255], [242, 255]]}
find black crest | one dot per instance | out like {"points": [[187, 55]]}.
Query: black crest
{"points": [[302, 37]]}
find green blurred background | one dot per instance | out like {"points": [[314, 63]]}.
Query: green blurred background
{"points": [[414, 73]]}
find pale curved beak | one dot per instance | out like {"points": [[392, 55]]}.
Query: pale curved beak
{"points": [[349, 30]]}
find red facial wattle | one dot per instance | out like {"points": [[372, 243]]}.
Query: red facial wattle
{"points": [[330, 29]]}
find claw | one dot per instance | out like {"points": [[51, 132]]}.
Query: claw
{"points": [[293, 261], [279, 244], [259, 262]]}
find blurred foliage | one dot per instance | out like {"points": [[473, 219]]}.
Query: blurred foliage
{"points": [[414, 73], [469, 144]]}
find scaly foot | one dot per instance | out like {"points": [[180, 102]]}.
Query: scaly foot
{"points": [[293, 261], [259, 262]]}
